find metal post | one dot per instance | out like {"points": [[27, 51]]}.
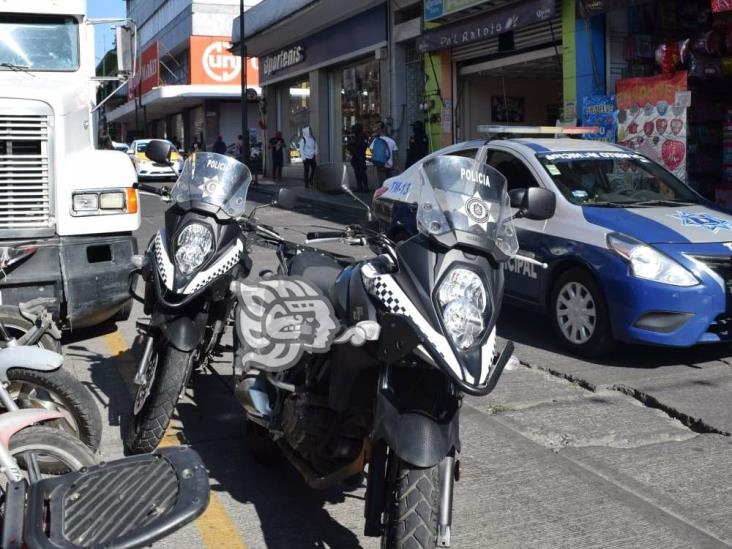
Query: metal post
{"points": [[244, 106]]}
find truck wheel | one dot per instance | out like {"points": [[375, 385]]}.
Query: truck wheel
{"points": [[155, 402], [59, 390], [411, 511], [579, 314], [17, 325]]}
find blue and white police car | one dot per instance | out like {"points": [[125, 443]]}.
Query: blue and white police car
{"points": [[632, 253]]}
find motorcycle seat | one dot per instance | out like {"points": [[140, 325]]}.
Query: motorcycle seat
{"points": [[318, 269]]}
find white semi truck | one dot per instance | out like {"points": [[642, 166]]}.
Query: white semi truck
{"points": [[67, 208]]}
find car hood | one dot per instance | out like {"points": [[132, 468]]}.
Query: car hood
{"points": [[665, 225]]}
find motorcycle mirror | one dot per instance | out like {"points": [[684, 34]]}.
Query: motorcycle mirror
{"points": [[332, 178], [159, 151], [286, 198]]}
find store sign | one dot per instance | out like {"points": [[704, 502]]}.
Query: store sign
{"points": [[588, 8], [213, 63], [489, 25], [435, 9], [640, 92], [283, 60], [148, 74], [598, 111]]}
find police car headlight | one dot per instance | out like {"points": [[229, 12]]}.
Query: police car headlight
{"points": [[195, 242], [650, 264], [462, 297]]}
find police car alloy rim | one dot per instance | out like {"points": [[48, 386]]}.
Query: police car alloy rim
{"points": [[576, 313]]}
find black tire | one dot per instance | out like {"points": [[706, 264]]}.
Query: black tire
{"points": [[66, 393], [17, 325], [586, 342], [261, 445], [412, 507], [61, 452], [146, 429]]}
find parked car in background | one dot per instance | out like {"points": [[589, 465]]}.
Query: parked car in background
{"points": [[147, 169], [121, 147], [633, 254]]}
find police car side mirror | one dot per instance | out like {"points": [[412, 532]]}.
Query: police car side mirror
{"points": [[159, 151], [538, 204]]}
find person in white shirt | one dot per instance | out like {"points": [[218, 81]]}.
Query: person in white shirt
{"points": [[308, 148], [392, 162]]}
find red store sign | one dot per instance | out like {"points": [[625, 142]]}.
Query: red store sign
{"points": [[148, 73]]}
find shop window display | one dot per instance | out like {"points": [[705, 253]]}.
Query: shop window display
{"points": [[360, 100], [299, 117], [673, 98]]}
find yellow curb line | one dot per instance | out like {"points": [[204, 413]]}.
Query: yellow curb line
{"points": [[215, 527]]}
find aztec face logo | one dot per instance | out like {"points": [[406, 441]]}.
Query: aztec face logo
{"points": [[702, 220], [279, 319]]}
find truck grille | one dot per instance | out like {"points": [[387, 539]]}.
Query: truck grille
{"points": [[25, 201]]}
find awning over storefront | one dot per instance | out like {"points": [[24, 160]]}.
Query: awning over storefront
{"points": [[166, 100]]}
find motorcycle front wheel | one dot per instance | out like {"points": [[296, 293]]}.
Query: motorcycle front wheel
{"points": [[411, 513], [150, 418]]}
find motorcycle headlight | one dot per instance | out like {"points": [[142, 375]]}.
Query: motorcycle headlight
{"points": [[194, 244], [650, 264], [462, 297]]}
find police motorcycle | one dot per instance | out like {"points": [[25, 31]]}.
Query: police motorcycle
{"points": [[187, 268], [340, 364]]}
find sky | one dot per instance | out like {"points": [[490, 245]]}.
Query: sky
{"points": [[104, 34]]}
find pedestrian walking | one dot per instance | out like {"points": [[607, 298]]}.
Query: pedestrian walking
{"points": [[239, 148], [219, 147], [197, 145], [308, 148], [277, 146], [418, 144], [357, 146], [384, 153]]}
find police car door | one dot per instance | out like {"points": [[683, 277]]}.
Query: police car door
{"points": [[523, 279]]}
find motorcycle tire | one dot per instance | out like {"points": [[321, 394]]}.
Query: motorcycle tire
{"points": [[62, 391], [146, 429], [59, 452], [17, 325], [411, 512]]}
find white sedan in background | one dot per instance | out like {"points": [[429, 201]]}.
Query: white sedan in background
{"points": [[147, 169]]}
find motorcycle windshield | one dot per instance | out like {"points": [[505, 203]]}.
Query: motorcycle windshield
{"points": [[464, 201], [215, 180]]}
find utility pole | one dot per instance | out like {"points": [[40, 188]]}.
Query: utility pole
{"points": [[244, 105]]}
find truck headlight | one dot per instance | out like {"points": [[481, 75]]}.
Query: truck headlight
{"points": [[648, 263], [462, 297], [112, 201], [86, 202], [194, 244]]}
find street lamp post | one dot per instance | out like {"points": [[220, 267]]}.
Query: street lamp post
{"points": [[244, 107]]}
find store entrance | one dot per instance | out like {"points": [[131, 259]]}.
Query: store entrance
{"points": [[523, 89]]}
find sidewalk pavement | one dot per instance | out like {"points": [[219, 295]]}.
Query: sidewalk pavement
{"points": [[270, 187]]}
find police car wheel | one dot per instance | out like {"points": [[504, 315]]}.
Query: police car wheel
{"points": [[579, 314]]}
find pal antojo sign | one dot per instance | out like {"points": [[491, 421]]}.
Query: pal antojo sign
{"points": [[213, 63], [148, 73]]}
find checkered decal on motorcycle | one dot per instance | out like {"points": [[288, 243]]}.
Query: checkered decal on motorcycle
{"points": [[381, 291], [166, 267]]}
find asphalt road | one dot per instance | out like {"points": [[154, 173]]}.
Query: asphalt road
{"points": [[632, 452]]}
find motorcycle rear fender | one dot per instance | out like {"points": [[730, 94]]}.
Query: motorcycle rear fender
{"points": [[15, 421], [32, 358], [414, 436], [184, 331]]}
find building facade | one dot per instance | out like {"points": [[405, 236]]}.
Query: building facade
{"points": [[188, 83]]}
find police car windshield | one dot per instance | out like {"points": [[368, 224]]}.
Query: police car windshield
{"points": [[615, 179]]}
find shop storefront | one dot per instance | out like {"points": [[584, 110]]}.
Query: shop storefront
{"points": [[329, 80], [669, 66], [500, 64], [192, 91]]}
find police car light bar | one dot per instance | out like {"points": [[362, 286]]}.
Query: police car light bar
{"points": [[537, 130]]}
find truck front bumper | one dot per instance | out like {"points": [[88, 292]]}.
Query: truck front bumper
{"points": [[87, 276]]}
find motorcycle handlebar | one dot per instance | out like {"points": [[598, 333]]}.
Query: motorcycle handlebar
{"points": [[326, 234], [150, 189]]}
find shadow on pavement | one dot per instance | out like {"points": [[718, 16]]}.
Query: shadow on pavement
{"points": [[532, 329], [291, 515]]}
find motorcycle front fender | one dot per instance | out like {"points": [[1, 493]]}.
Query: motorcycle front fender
{"points": [[414, 436], [183, 331]]}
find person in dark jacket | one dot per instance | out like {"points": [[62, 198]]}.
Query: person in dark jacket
{"points": [[418, 144], [219, 146], [277, 145], [357, 148]]}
